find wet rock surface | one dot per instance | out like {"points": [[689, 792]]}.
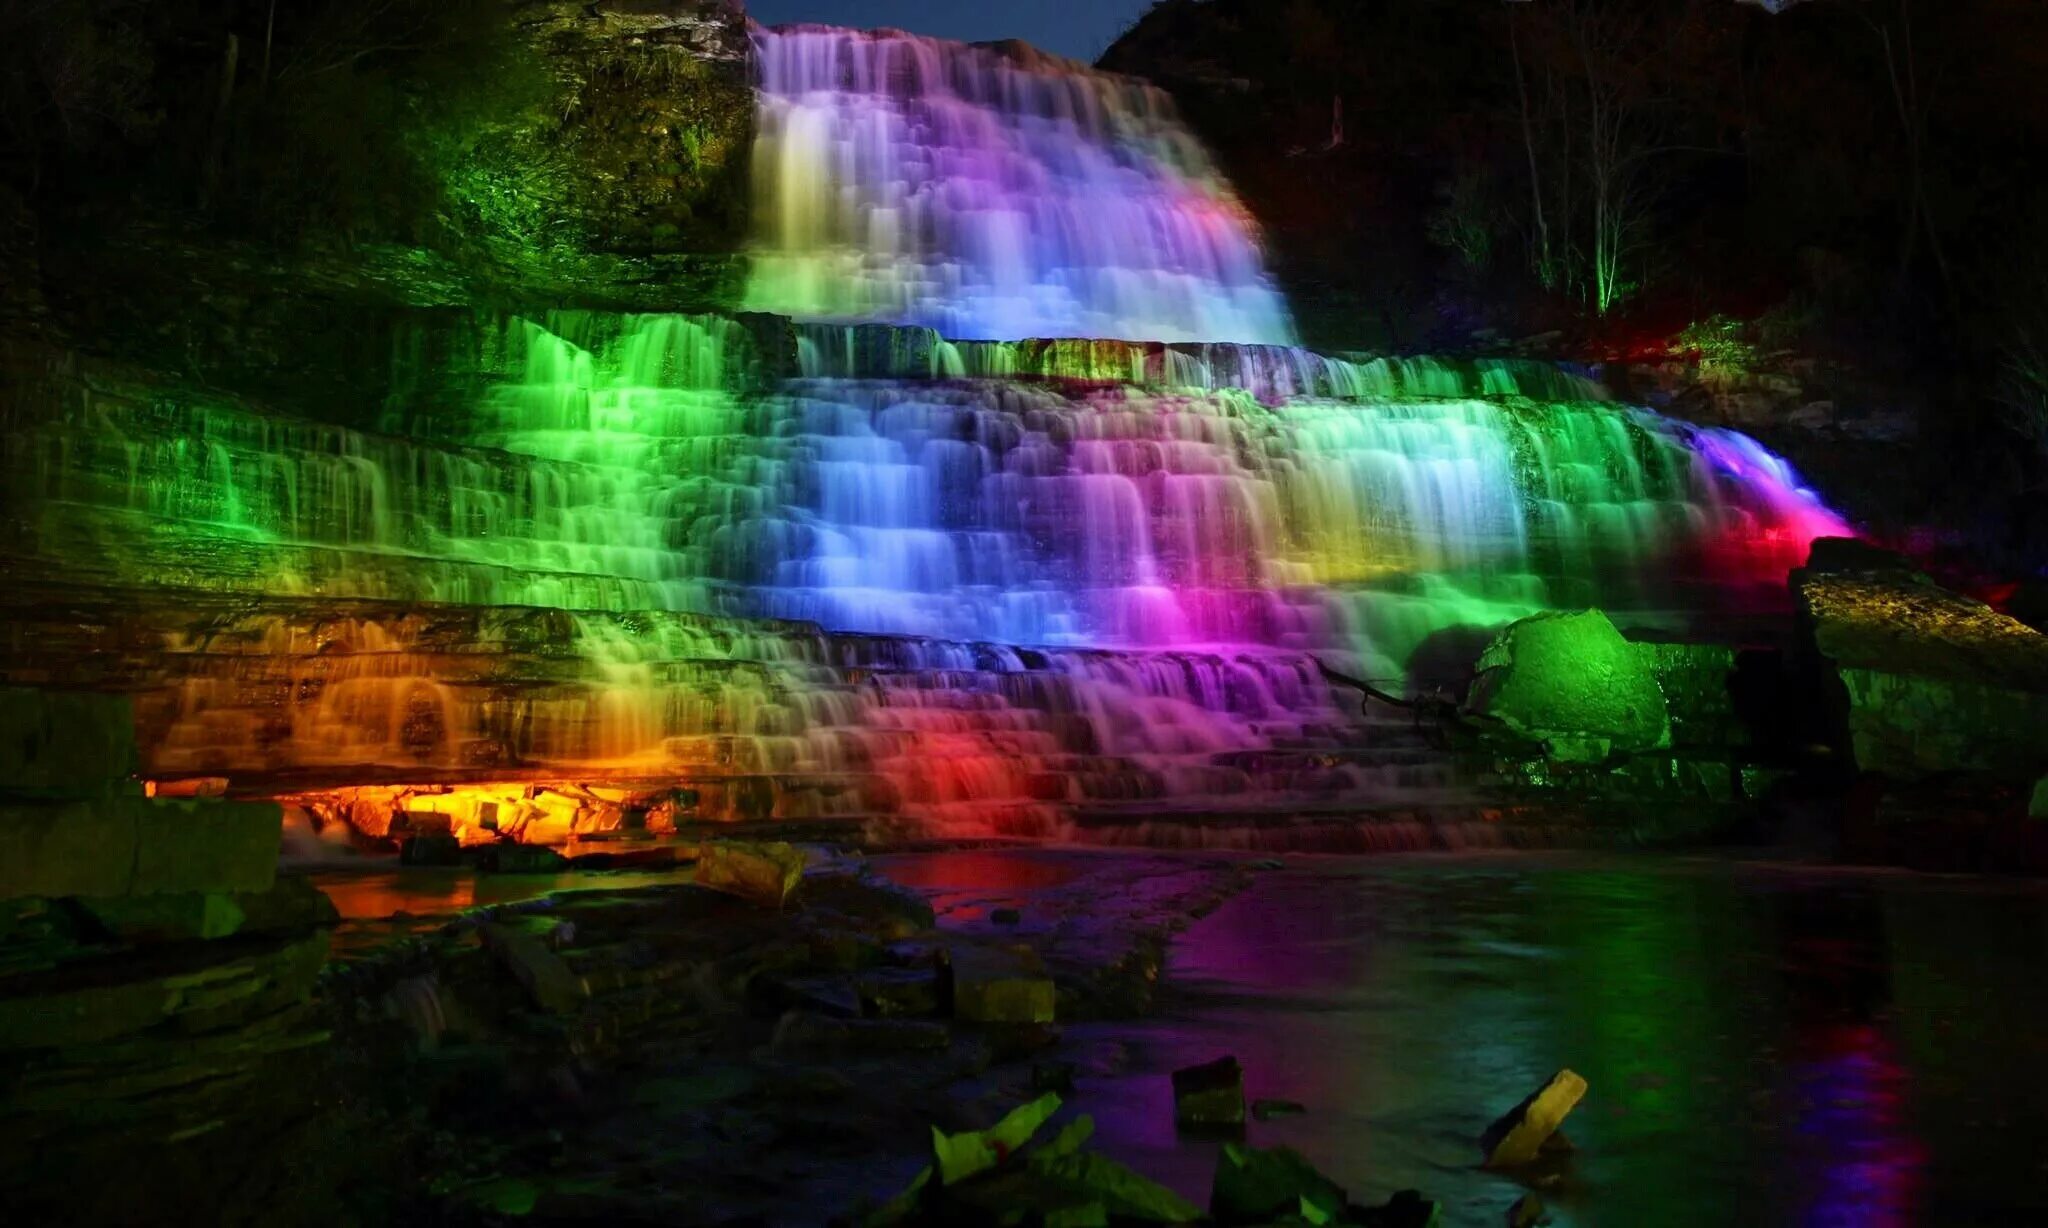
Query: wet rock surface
{"points": [[699, 1056]]}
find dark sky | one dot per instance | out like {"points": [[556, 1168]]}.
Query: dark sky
{"points": [[1077, 28]]}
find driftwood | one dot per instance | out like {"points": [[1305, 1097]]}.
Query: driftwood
{"points": [[1445, 711]]}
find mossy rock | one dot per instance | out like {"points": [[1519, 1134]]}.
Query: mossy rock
{"points": [[1569, 680]]}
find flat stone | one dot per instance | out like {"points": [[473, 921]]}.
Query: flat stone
{"points": [[1211, 1094], [117, 846], [1518, 1137], [992, 986], [546, 976]]}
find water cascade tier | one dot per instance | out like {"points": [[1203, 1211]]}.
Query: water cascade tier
{"points": [[861, 571], [991, 192]]}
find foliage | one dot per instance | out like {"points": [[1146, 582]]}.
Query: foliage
{"points": [[71, 71], [1720, 343], [1467, 218]]}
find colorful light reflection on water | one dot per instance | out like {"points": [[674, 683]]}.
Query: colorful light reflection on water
{"points": [[1766, 1046]]}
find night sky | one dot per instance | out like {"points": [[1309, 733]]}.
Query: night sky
{"points": [[1077, 28]]}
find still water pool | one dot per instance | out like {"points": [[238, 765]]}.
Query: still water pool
{"points": [[1765, 1045]]}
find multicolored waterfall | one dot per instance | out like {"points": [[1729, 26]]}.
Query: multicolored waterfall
{"points": [[668, 567], [991, 192]]}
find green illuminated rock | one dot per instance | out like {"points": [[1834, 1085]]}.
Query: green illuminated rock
{"points": [[134, 846], [65, 744], [290, 904], [1257, 1185], [963, 1155], [1568, 679], [991, 986]]}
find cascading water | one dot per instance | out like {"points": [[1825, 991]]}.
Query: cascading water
{"points": [[991, 193], [749, 568]]}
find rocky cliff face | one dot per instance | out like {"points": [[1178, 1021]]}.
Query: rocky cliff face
{"points": [[637, 160]]}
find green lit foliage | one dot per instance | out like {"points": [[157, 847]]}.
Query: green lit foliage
{"points": [[370, 105], [1720, 343]]}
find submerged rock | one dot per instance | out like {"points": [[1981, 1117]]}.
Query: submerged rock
{"points": [[1520, 1134], [1267, 1110], [1570, 681], [1211, 1094]]}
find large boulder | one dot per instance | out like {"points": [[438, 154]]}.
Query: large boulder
{"points": [[65, 744], [1569, 680], [1922, 681], [122, 846]]}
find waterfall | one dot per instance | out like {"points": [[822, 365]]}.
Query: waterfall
{"points": [[1079, 512], [991, 193], [1034, 514]]}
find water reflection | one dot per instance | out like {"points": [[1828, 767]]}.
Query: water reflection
{"points": [[369, 899], [1764, 1046]]}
